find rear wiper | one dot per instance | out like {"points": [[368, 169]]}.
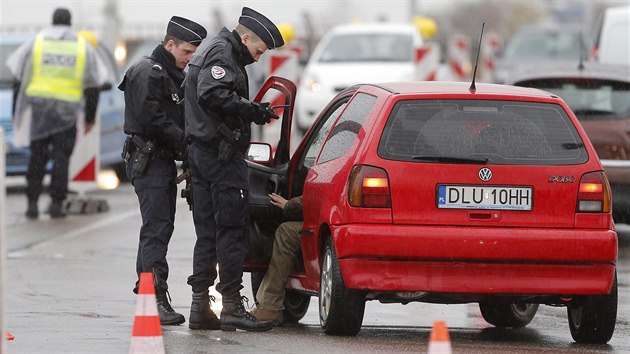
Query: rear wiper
{"points": [[481, 161]]}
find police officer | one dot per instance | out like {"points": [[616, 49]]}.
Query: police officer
{"points": [[58, 76], [154, 121], [218, 121]]}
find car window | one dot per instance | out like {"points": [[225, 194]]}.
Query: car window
{"points": [[590, 99], [545, 44], [346, 130], [499, 132], [320, 135], [365, 47]]}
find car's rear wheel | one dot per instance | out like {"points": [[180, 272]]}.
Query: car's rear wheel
{"points": [[592, 318], [508, 315], [340, 309]]}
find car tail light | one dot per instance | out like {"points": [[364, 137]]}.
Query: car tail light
{"points": [[594, 193], [368, 187]]}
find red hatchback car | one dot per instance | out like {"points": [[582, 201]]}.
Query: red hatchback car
{"points": [[433, 192]]}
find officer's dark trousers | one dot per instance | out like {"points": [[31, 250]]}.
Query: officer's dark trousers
{"points": [[220, 215], [157, 194], [57, 147]]}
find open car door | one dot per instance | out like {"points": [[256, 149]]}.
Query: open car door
{"points": [[267, 165]]}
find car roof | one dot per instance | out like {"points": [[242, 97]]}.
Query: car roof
{"points": [[589, 70], [460, 88]]}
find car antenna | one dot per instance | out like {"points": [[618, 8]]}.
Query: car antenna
{"points": [[472, 84]]}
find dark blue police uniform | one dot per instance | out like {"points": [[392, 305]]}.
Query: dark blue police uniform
{"points": [[218, 119], [154, 121]]}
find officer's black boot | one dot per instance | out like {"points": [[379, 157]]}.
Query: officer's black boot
{"points": [[234, 316], [56, 209], [168, 316], [201, 315], [32, 212]]}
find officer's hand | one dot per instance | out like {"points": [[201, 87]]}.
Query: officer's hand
{"points": [[263, 113]]}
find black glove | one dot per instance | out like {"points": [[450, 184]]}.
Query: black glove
{"points": [[263, 113]]}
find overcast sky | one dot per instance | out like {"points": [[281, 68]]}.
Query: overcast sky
{"points": [[39, 11]]}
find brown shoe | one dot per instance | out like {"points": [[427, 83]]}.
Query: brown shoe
{"points": [[275, 316]]}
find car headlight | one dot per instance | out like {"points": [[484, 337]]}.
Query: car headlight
{"points": [[312, 84]]}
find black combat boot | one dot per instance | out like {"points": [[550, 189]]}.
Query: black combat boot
{"points": [[32, 212], [57, 209], [234, 316], [201, 315], [168, 316]]}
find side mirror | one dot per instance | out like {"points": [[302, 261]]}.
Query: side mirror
{"points": [[259, 153]]}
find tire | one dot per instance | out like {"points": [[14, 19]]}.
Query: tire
{"points": [[295, 306], [340, 309], [592, 319], [508, 315]]}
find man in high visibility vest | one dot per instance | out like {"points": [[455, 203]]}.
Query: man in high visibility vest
{"points": [[58, 79]]}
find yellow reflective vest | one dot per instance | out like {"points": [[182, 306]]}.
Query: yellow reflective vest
{"points": [[58, 69]]}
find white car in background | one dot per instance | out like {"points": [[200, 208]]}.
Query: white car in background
{"points": [[352, 54]]}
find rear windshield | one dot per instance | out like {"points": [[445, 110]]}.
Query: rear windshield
{"points": [[494, 132], [589, 99]]}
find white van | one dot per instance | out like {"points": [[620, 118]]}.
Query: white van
{"points": [[352, 54], [611, 43]]}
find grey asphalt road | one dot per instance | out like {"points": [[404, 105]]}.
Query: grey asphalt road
{"points": [[68, 290]]}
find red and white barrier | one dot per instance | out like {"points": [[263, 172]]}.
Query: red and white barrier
{"points": [[490, 47], [428, 61], [459, 57]]}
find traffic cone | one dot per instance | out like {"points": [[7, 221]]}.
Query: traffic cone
{"points": [[147, 333], [10, 336], [439, 342]]}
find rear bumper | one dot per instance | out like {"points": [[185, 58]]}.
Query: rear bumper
{"points": [[476, 260]]}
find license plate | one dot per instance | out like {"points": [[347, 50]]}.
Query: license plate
{"points": [[484, 197]]}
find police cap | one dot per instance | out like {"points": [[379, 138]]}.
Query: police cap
{"points": [[186, 30], [262, 26]]}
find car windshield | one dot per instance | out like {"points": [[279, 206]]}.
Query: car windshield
{"points": [[544, 44], [480, 131], [590, 99], [6, 77], [368, 47]]}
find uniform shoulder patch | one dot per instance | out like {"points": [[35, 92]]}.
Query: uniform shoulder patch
{"points": [[157, 67], [217, 72]]}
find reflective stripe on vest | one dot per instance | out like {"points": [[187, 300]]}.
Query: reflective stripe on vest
{"points": [[58, 69]]}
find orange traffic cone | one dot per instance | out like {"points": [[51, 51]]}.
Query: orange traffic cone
{"points": [[147, 333], [10, 336], [439, 342]]}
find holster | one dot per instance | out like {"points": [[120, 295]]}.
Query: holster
{"points": [[227, 143], [142, 153]]}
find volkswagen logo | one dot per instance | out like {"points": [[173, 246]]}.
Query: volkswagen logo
{"points": [[485, 174]]}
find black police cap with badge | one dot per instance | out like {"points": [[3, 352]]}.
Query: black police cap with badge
{"points": [[262, 26], [186, 30]]}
